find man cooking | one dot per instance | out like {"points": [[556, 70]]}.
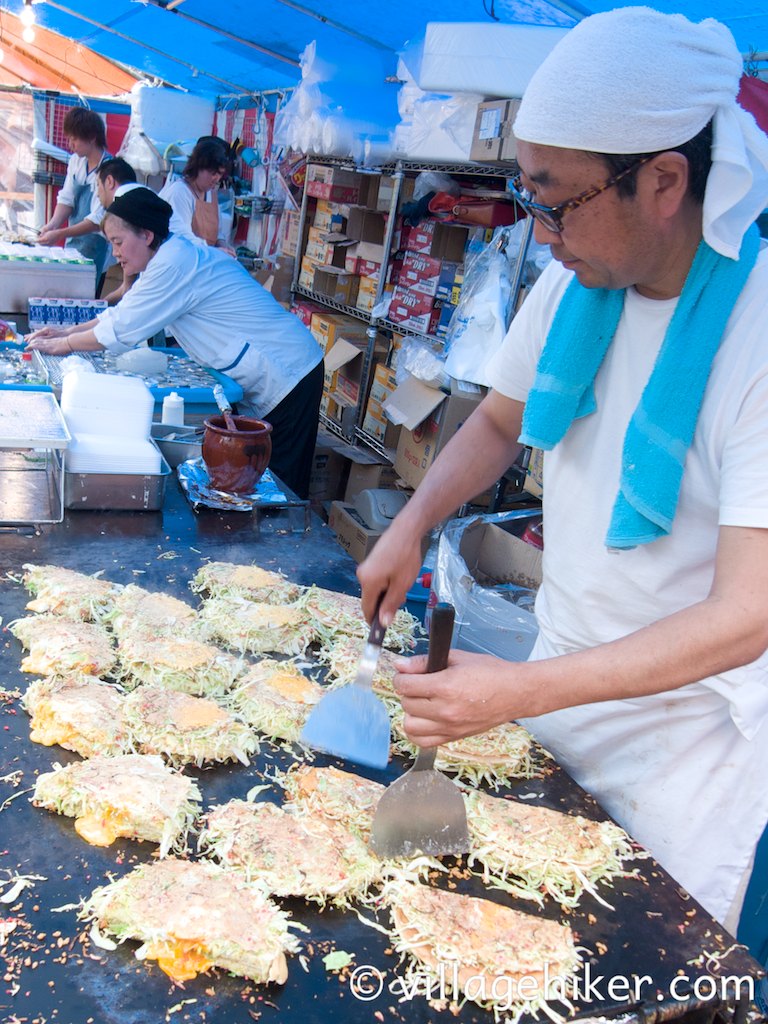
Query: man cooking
{"points": [[639, 363], [221, 318]]}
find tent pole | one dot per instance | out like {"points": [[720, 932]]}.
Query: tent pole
{"points": [[145, 46], [335, 24], [227, 35]]}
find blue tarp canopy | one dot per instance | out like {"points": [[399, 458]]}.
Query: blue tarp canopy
{"points": [[247, 46]]}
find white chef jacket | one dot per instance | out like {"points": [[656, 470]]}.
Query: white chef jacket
{"points": [[220, 316], [684, 771]]}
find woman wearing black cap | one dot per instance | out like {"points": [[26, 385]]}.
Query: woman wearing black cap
{"points": [[221, 318]]}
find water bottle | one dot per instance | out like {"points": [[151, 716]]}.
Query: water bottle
{"points": [[173, 410]]}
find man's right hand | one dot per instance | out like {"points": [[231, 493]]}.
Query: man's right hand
{"points": [[389, 571]]}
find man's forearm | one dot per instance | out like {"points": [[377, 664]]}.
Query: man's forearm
{"points": [[483, 448]]}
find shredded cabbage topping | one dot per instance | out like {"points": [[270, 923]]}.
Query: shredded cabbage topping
{"points": [[176, 663], [335, 615], [191, 916], [80, 713], [331, 793], [457, 940], [533, 852], [225, 579], [186, 729], [342, 656], [495, 757], [276, 698], [58, 646], [257, 627], [289, 853], [154, 612], [130, 795], [69, 593]]}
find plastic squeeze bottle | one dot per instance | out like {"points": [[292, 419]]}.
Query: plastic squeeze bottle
{"points": [[173, 410]]}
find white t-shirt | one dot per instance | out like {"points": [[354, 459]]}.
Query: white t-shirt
{"points": [[683, 771], [221, 317], [591, 594], [78, 174], [181, 198]]}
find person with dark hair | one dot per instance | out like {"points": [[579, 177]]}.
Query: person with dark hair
{"points": [[220, 316], [114, 177], [638, 364], [78, 213], [193, 196]]}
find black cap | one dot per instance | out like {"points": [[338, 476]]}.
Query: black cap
{"points": [[144, 209]]}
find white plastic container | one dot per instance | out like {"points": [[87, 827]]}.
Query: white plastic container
{"points": [[173, 410]]}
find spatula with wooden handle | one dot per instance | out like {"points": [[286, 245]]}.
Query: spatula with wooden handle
{"points": [[423, 812]]}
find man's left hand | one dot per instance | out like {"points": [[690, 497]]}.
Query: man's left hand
{"points": [[471, 696]]}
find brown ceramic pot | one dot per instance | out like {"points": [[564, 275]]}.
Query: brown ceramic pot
{"points": [[236, 459]]}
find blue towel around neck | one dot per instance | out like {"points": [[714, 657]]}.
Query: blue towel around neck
{"points": [[663, 424]]}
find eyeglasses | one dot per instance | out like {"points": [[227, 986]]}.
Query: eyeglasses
{"points": [[552, 216]]}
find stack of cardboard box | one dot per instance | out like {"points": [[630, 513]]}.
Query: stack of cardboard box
{"points": [[427, 274]]}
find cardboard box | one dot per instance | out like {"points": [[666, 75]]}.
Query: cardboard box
{"points": [[367, 251], [492, 139], [378, 426], [429, 418], [449, 283], [442, 325], [351, 532], [326, 328], [336, 284], [366, 225], [327, 473], [386, 191], [433, 238], [383, 383], [363, 268], [333, 183], [364, 476], [305, 309], [289, 233], [366, 294], [424, 274], [330, 216], [414, 311], [344, 368], [307, 274]]}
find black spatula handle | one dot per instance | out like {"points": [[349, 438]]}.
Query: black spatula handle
{"points": [[377, 631], [440, 633]]}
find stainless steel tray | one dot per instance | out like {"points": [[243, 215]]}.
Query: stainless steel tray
{"points": [[116, 491]]}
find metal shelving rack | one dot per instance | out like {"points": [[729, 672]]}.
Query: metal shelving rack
{"points": [[353, 432]]}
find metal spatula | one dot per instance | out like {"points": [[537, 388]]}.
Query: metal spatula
{"points": [[352, 722], [423, 812]]}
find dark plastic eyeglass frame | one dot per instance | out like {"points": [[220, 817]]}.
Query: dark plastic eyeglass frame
{"points": [[552, 216]]}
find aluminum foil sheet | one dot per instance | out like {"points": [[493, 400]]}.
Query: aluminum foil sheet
{"points": [[193, 477]]}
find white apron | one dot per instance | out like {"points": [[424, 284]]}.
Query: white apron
{"points": [[676, 773]]}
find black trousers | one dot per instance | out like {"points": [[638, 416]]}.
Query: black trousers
{"points": [[294, 432]]}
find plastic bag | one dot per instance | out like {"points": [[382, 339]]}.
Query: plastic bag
{"points": [[489, 619], [421, 360], [480, 321]]}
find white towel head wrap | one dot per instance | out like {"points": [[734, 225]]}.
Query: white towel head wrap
{"points": [[634, 80]]}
